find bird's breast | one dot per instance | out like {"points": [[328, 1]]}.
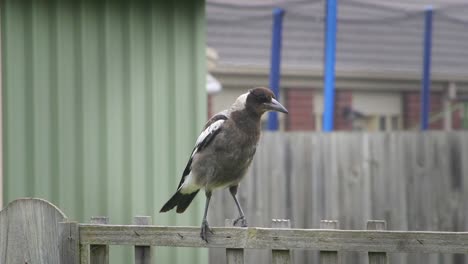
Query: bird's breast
{"points": [[226, 161]]}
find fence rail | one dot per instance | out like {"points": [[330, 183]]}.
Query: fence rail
{"points": [[94, 240], [276, 238], [51, 238]]}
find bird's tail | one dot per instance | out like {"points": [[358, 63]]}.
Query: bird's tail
{"points": [[182, 201]]}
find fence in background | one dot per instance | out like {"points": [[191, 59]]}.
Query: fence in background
{"points": [[414, 181], [35, 231]]}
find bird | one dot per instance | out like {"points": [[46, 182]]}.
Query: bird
{"points": [[223, 152]]}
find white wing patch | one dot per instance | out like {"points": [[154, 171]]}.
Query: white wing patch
{"points": [[208, 131]]}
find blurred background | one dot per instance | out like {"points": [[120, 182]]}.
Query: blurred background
{"points": [[102, 102], [379, 59]]}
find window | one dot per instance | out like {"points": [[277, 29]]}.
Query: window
{"points": [[377, 123], [382, 123], [396, 122]]}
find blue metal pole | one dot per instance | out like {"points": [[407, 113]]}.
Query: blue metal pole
{"points": [[426, 84], [329, 75], [275, 63]]}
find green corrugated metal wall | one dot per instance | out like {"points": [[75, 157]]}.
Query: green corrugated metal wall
{"points": [[102, 101]]}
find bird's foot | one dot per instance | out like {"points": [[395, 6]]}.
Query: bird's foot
{"points": [[204, 231], [241, 221]]}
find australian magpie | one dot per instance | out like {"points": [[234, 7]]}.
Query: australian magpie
{"points": [[223, 152]]}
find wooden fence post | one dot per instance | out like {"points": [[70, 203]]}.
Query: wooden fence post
{"points": [[99, 254], [377, 257], [233, 255], [69, 243], [281, 256], [84, 254], [142, 253], [329, 257]]}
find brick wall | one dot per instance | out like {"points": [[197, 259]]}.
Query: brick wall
{"points": [[343, 100], [300, 104], [412, 109], [457, 119], [436, 107]]}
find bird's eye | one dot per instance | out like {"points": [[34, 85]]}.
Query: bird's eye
{"points": [[262, 98]]}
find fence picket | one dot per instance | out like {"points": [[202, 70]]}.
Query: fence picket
{"points": [[281, 256], [142, 253], [329, 257], [99, 254], [84, 254], [233, 255], [377, 257], [69, 243]]}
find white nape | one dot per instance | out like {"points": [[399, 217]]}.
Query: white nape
{"points": [[239, 104]]}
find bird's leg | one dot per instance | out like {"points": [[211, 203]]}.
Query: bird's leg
{"points": [[241, 219], [204, 227]]}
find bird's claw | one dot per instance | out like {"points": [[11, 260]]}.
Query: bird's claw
{"points": [[241, 220], [204, 231]]}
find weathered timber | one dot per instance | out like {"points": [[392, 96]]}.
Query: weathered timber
{"points": [[253, 237], [329, 256], [69, 243], [353, 177], [279, 256], [233, 255], [142, 253], [99, 253], [377, 257], [29, 232], [84, 254]]}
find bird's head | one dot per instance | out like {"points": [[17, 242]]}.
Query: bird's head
{"points": [[261, 100]]}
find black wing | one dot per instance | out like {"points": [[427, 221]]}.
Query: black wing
{"points": [[211, 129]]}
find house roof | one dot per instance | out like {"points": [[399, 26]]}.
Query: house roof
{"points": [[373, 36]]}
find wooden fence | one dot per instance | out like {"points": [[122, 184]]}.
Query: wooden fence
{"points": [[35, 231], [414, 181], [281, 240]]}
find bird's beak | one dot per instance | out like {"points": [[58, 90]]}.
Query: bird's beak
{"points": [[276, 106]]}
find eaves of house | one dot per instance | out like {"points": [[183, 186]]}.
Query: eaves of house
{"points": [[246, 76]]}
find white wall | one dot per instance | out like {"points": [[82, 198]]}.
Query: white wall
{"points": [[377, 103]]}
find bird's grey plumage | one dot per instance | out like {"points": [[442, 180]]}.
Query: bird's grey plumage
{"points": [[224, 151], [222, 164], [183, 198]]}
